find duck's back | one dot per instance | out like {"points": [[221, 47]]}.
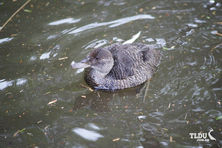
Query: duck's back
{"points": [[133, 60]]}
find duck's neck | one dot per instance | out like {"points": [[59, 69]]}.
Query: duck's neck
{"points": [[98, 76], [94, 78]]}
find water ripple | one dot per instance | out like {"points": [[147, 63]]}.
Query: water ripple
{"points": [[21, 81], [4, 84], [87, 134], [45, 55], [5, 40], [112, 24], [64, 21], [95, 44]]}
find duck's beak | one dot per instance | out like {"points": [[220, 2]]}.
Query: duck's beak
{"points": [[82, 64]]}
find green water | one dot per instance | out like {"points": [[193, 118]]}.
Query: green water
{"points": [[38, 45]]}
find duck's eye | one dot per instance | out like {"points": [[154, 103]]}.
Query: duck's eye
{"points": [[97, 58]]}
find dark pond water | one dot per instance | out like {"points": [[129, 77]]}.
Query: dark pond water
{"points": [[184, 96]]}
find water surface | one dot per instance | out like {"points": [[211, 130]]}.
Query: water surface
{"points": [[44, 102]]}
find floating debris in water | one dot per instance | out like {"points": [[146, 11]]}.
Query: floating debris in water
{"points": [[141, 10], [52, 102], [27, 10], [219, 34], [90, 89], [169, 105], [18, 132], [116, 139], [30, 134], [63, 58], [83, 97], [40, 121], [134, 37], [166, 48], [47, 93], [219, 23], [219, 117]]}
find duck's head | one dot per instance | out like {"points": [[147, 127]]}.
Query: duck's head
{"points": [[101, 60]]}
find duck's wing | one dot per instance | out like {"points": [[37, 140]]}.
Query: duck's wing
{"points": [[129, 59], [123, 66], [149, 54]]}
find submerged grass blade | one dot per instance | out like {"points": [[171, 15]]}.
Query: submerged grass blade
{"points": [[219, 117]]}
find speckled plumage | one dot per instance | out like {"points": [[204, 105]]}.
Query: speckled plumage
{"points": [[130, 64]]}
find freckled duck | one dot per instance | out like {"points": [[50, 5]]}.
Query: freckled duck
{"points": [[119, 66]]}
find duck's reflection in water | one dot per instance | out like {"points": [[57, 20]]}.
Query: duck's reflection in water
{"points": [[99, 100]]}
